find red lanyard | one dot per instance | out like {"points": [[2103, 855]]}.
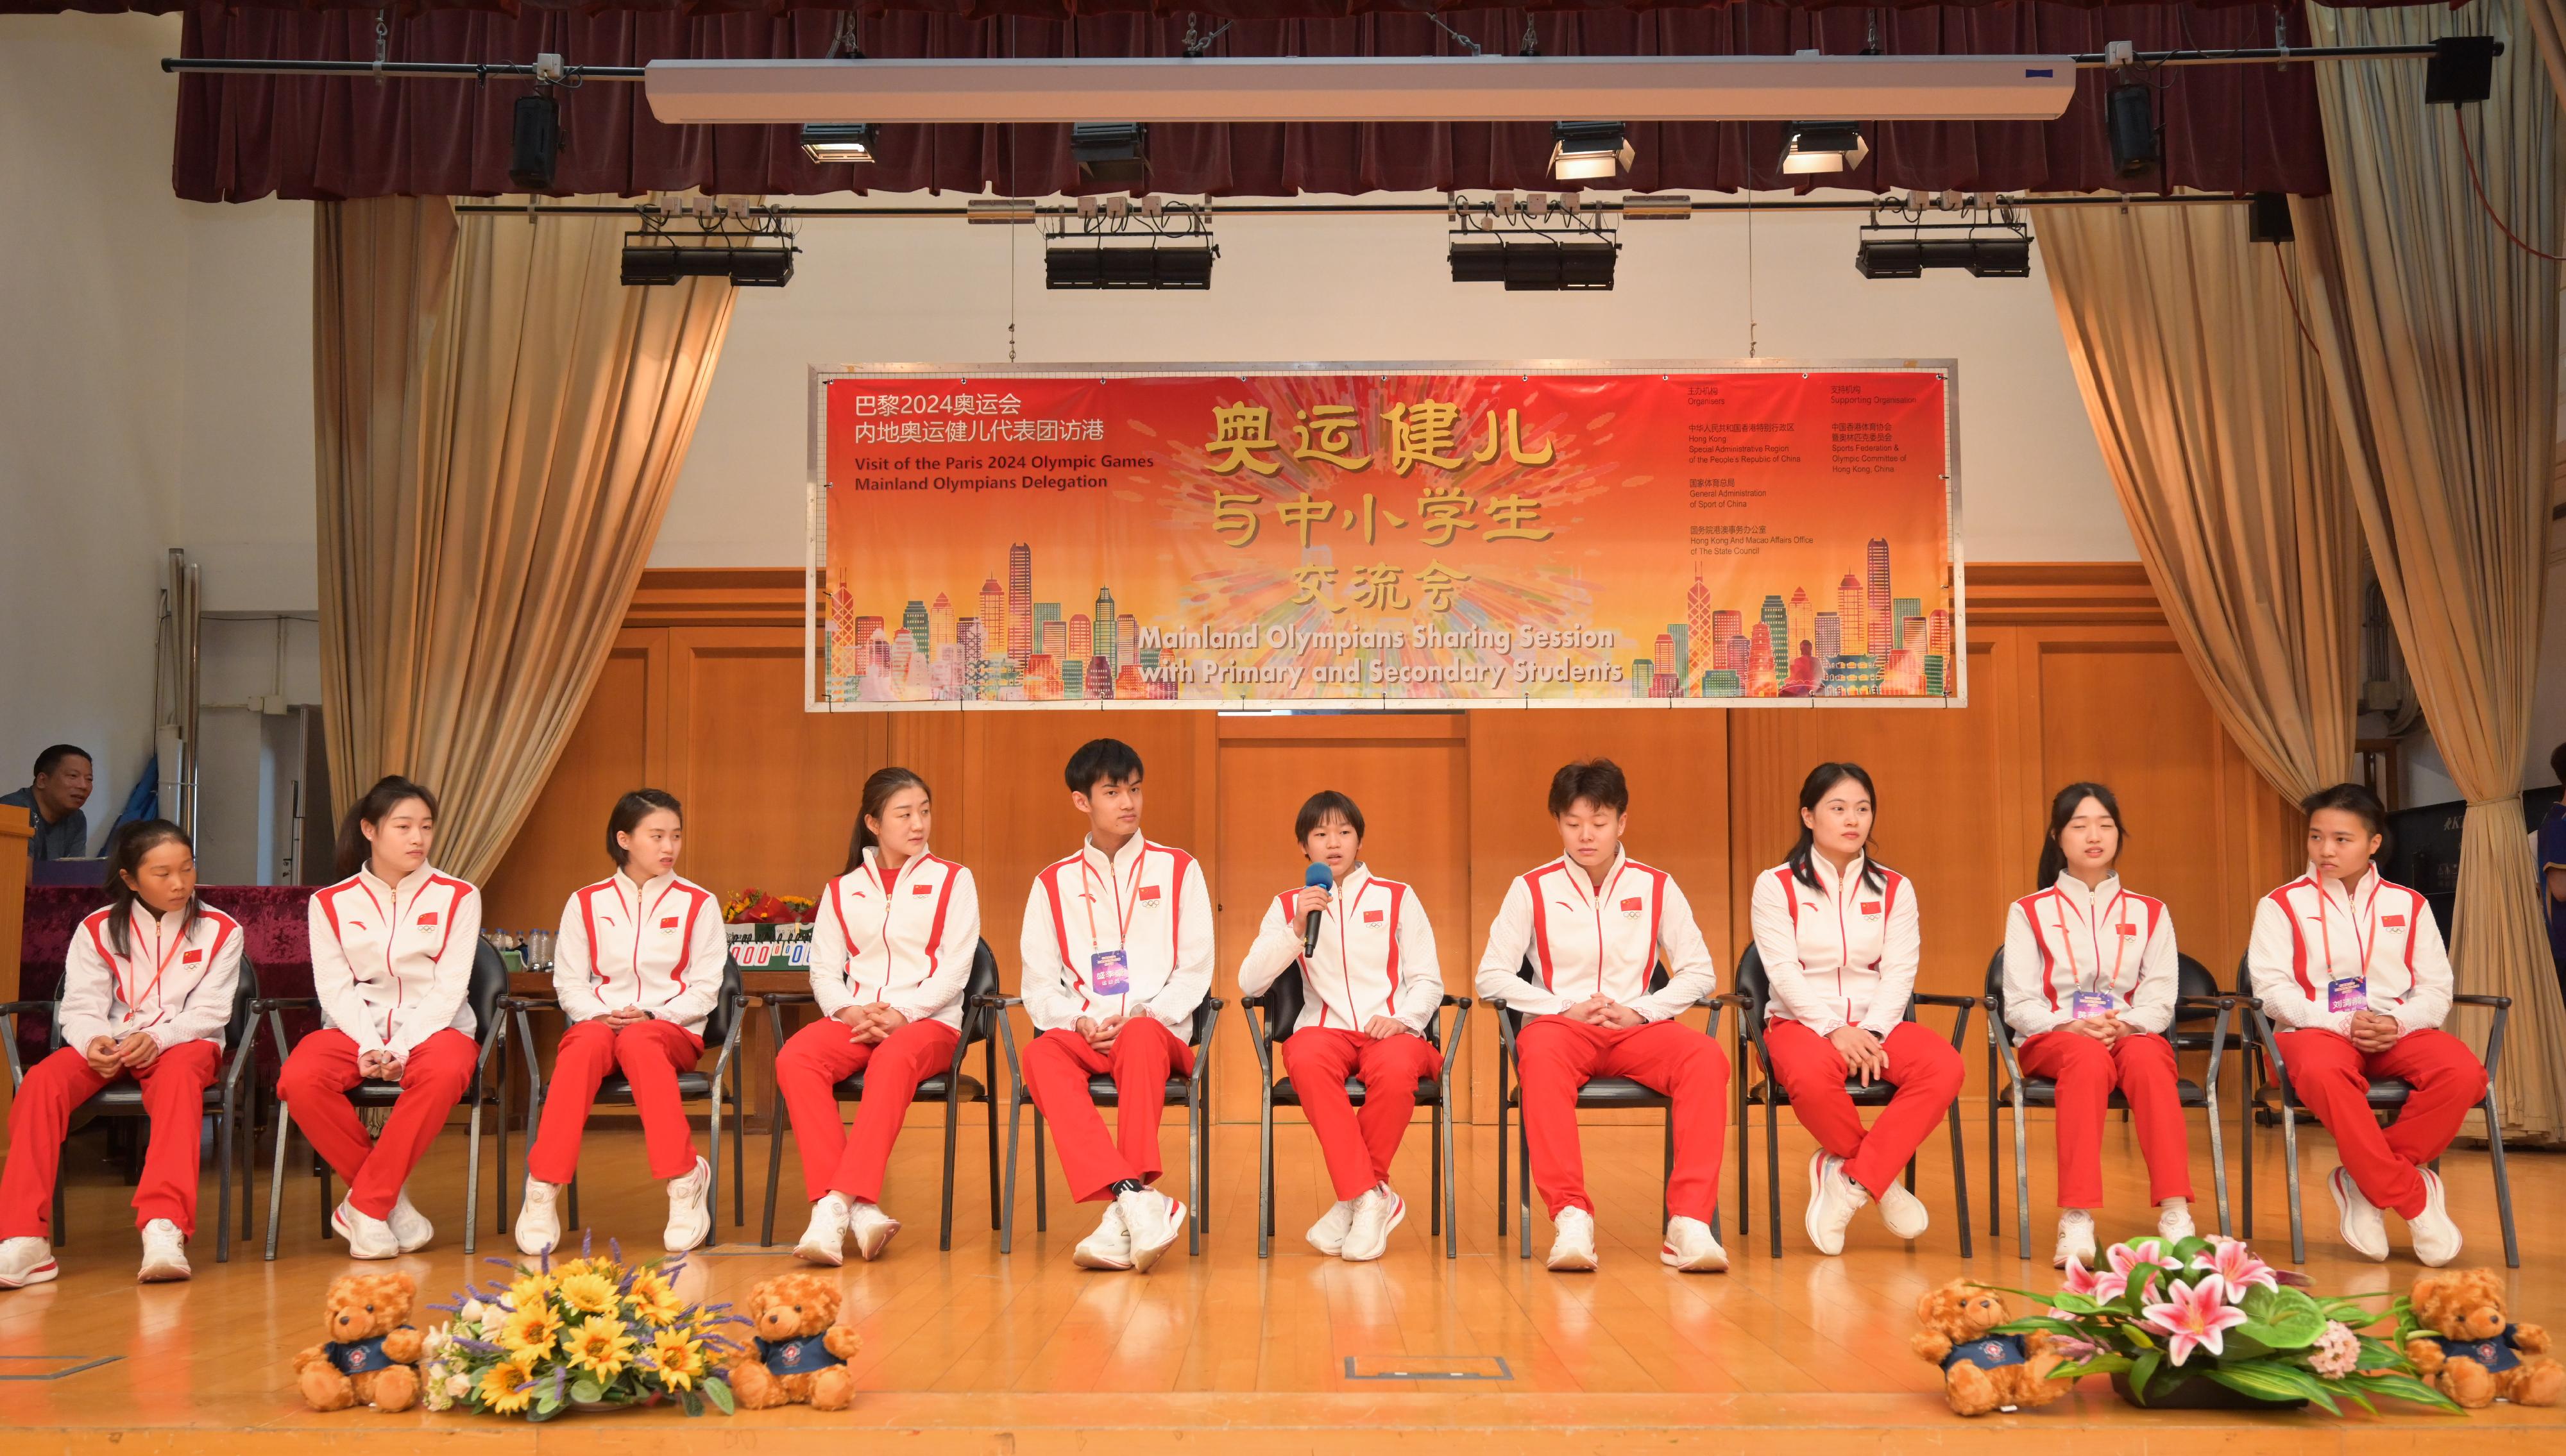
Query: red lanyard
{"points": [[873, 867], [1121, 914], [2120, 951], [159, 968], [2352, 919]]}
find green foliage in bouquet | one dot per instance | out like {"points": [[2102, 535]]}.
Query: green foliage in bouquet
{"points": [[587, 1333], [2162, 1311]]}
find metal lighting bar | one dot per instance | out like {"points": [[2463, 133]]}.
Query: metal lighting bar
{"points": [[1021, 211]]}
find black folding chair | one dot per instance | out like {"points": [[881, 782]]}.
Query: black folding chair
{"points": [[2268, 1091], [1768, 1092], [1599, 1092], [2196, 998], [122, 1100], [721, 1028], [1280, 1005], [488, 984], [952, 1088], [1188, 1088]]}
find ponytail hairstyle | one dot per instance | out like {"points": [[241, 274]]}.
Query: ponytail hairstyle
{"points": [[391, 791], [2053, 859], [1813, 791], [879, 790], [628, 812], [124, 851]]}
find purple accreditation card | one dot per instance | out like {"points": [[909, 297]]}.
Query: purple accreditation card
{"points": [[2348, 993], [1109, 972], [2084, 1004]]}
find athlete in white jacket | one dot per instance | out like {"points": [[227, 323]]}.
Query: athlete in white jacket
{"points": [[637, 968], [890, 958], [1373, 983], [147, 993]]}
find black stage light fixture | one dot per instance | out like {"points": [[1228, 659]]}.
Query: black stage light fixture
{"points": [[1824, 146], [1560, 247], [1589, 151], [534, 143], [1994, 244], [2267, 219], [2129, 118], [1164, 245], [751, 247], [828, 141], [2461, 71], [1111, 153]]}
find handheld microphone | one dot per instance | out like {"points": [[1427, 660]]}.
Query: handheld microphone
{"points": [[1319, 877]]}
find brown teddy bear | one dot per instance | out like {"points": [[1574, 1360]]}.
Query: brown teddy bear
{"points": [[1982, 1372], [800, 1353], [372, 1354], [2479, 1358]]}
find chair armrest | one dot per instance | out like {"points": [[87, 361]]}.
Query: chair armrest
{"points": [[21, 1008], [531, 1001], [782, 998], [1936, 998], [2472, 998], [1962, 1006], [1453, 1046], [998, 1002], [2223, 1001], [265, 1003]]}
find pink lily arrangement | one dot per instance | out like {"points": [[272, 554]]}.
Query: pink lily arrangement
{"points": [[2158, 1314]]}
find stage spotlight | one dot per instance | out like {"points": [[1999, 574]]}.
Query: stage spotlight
{"points": [[534, 143], [2129, 117], [837, 141], [1167, 245], [1111, 153], [752, 247], [1588, 151], [2461, 71], [2267, 219], [1993, 244], [1824, 146], [1560, 246]]}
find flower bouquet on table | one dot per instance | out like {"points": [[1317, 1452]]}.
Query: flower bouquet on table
{"points": [[764, 916], [2203, 1321], [586, 1334]]}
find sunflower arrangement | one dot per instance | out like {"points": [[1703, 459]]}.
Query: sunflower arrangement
{"points": [[2160, 1313], [585, 1332]]}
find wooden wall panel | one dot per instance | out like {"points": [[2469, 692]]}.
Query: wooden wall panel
{"points": [[2072, 673]]}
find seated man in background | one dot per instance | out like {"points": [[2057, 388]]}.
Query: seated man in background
{"points": [[53, 804]]}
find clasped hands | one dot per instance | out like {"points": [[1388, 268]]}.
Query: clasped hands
{"points": [[2374, 1030], [108, 1055], [870, 1023], [1597, 1010]]}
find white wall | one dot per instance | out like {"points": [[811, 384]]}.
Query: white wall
{"points": [[1379, 288]]}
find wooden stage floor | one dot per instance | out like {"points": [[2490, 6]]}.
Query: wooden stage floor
{"points": [[974, 1352]]}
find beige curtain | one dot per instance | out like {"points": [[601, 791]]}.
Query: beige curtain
{"points": [[2549, 28], [500, 422], [2440, 341], [2211, 413]]}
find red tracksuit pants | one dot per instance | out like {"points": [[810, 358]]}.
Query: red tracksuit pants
{"points": [[809, 1068], [1926, 1072], [173, 1090], [2332, 1076], [1358, 1145], [315, 1086], [1557, 1055], [2086, 1072], [650, 1054], [1057, 1066]]}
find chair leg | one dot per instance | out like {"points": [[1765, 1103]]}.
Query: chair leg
{"points": [[1960, 1181], [1452, 1191], [1042, 1183], [738, 1151], [774, 1174], [2502, 1183], [1265, 1174], [1506, 1146], [2021, 1177], [953, 1136], [574, 1202], [990, 1068], [1007, 1204], [1194, 1167], [1745, 1198], [276, 1181], [2217, 1160], [1773, 1163], [1667, 1177], [2290, 1156], [1523, 1188], [713, 1160], [2246, 1164], [1995, 1163], [1434, 1173], [499, 1192], [472, 1177]]}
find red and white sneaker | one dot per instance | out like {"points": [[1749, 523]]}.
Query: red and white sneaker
{"points": [[26, 1260]]}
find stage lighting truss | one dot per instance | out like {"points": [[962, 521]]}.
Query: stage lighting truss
{"points": [[749, 243], [1533, 242], [1110, 242], [1989, 240]]}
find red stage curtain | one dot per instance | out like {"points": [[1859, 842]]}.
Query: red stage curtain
{"points": [[2246, 129], [273, 920]]}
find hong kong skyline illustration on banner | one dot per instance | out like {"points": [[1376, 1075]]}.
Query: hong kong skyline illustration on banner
{"points": [[1341, 538]]}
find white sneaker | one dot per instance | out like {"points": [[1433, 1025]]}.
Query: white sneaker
{"points": [[1327, 1234], [538, 1226], [368, 1237], [1902, 1213], [1109, 1246], [690, 1213], [2365, 1228], [410, 1228], [26, 1260], [1833, 1201], [2435, 1234], [872, 1229], [164, 1253], [825, 1241], [1690, 1247], [1572, 1243], [1155, 1220], [2075, 1237], [2173, 1221], [1376, 1214]]}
